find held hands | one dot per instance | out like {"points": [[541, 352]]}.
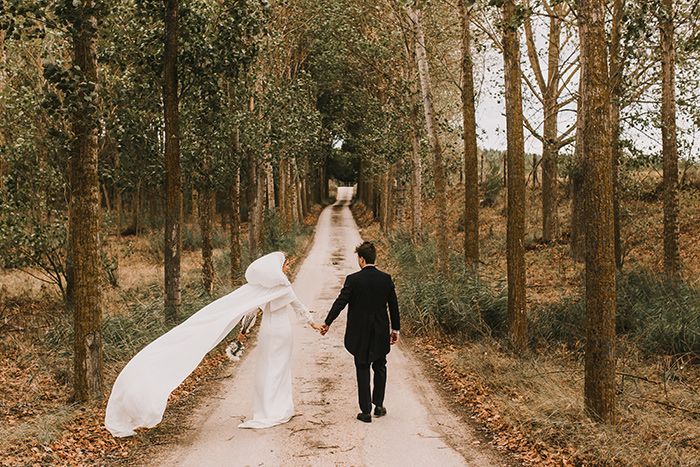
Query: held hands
{"points": [[321, 328]]}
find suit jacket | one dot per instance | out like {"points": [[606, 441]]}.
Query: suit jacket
{"points": [[368, 293]]}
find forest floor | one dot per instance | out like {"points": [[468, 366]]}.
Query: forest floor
{"points": [[532, 405], [38, 423]]}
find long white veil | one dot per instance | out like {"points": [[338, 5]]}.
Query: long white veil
{"points": [[140, 393]]}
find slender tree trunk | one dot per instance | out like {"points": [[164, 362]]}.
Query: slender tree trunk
{"points": [[599, 385], [430, 126], [669, 144], [471, 161], [173, 182], [550, 146], [578, 220], [254, 206], [517, 318], [616, 70], [235, 237], [283, 218], [270, 184], [84, 216], [206, 202], [3, 61]]}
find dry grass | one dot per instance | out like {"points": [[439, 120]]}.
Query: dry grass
{"points": [[542, 397]]}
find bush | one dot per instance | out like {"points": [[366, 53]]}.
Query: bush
{"points": [[462, 305], [493, 183], [660, 316]]}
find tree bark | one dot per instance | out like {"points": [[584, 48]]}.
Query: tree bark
{"points": [[235, 234], [599, 385], [206, 202], [270, 186], [84, 216], [471, 161], [430, 126], [669, 143], [284, 214], [578, 220], [515, 235], [173, 182], [550, 146], [616, 70]]}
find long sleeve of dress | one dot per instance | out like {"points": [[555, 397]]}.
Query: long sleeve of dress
{"points": [[302, 311]]}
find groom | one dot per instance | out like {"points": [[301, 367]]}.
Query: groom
{"points": [[368, 293]]}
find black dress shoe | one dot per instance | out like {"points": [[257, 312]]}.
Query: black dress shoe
{"points": [[379, 411], [364, 417]]}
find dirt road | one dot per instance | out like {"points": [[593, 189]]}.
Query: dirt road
{"points": [[418, 430]]}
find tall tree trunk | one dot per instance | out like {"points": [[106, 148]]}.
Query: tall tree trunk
{"points": [[616, 70], [471, 161], [84, 215], [578, 219], [283, 194], [669, 144], [431, 129], [416, 182], [206, 203], [3, 79], [270, 185], [599, 385], [515, 235], [235, 200], [254, 205], [550, 147], [235, 235], [173, 182]]}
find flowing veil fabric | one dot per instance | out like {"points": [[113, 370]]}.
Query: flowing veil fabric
{"points": [[140, 393]]}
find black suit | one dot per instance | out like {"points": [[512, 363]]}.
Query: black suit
{"points": [[368, 293]]}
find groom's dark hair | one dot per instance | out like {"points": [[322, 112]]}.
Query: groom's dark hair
{"points": [[367, 251]]}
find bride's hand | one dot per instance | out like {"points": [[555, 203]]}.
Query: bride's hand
{"points": [[315, 326]]}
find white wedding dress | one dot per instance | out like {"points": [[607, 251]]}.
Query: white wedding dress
{"points": [[273, 403], [140, 393]]}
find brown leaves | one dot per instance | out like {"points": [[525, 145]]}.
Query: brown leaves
{"points": [[470, 391]]}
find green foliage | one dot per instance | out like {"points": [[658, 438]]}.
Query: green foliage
{"points": [[276, 239], [33, 242], [660, 316], [462, 305], [493, 183]]}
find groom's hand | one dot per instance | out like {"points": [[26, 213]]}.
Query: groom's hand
{"points": [[394, 337], [324, 329]]}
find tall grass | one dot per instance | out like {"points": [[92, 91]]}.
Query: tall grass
{"points": [[458, 304], [661, 317]]}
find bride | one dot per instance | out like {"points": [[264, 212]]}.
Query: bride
{"points": [[140, 393]]}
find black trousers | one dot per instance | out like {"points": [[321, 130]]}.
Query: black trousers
{"points": [[375, 396]]}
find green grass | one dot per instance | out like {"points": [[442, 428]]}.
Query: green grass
{"points": [[660, 317]]}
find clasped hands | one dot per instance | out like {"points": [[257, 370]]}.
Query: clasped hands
{"points": [[322, 328]]}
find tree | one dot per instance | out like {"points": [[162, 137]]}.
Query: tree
{"points": [[515, 235], [173, 182], [596, 138], [471, 161], [431, 129], [84, 207], [616, 89], [669, 143], [548, 91]]}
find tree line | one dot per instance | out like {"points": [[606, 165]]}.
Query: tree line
{"points": [[136, 113]]}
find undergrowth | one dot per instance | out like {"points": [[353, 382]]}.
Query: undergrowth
{"points": [[661, 317]]}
